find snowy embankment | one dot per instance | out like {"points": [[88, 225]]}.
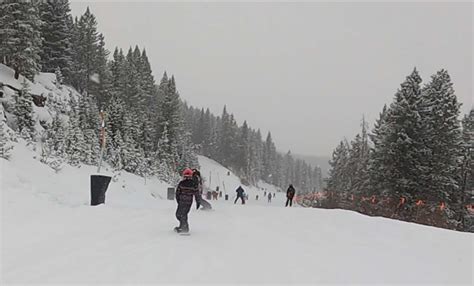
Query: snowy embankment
{"points": [[45, 85], [50, 234]]}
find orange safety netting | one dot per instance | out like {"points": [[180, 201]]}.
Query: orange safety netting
{"points": [[420, 203], [442, 206]]}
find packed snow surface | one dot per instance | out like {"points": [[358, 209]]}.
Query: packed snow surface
{"points": [[50, 234]]}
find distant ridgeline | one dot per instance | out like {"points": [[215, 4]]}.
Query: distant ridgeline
{"points": [[150, 131]]}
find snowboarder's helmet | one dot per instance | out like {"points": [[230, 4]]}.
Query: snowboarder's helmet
{"points": [[187, 172]]}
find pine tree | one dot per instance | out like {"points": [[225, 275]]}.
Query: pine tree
{"points": [[23, 112], [147, 79], [20, 37], [59, 77], [443, 140], [227, 139], [186, 156], [269, 152], [75, 143], [171, 116], [115, 151], [86, 47], [338, 179], [467, 167], [377, 166], [165, 163], [4, 147], [118, 71], [358, 162], [54, 145], [243, 151], [399, 153], [56, 33], [102, 88]]}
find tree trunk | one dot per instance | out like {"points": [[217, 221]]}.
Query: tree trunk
{"points": [[17, 73]]}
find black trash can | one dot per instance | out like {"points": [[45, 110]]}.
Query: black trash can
{"points": [[171, 194], [99, 185], [226, 197]]}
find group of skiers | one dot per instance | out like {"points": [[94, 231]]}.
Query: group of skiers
{"points": [[191, 186]]}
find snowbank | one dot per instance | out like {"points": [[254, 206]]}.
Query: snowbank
{"points": [[57, 96]]}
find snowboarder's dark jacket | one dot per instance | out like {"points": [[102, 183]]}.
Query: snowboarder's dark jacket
{"points": [[185, 191], [197, 179], [240, 191], [290, 193]]}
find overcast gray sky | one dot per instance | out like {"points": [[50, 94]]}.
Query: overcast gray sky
{"points": [[305, 71]]}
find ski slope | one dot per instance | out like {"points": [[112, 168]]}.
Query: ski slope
{"points": [[51, 235]]}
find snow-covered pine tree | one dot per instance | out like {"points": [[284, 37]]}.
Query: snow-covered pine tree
{"points": [[186, 155], [130, 151], [317, 173], [399, 153], [165, 161], [115, 151], [85, 51], [171, 120], [242, 150], [75, 143], [358, 162], [118, 71], [467, 169], [56, 33], [5, 149], [288, 171], [198, 128], [102, 87], [226, 143], [115, 112], [134, 95], [338, 174], [443, 141], [23, 112], [53, 150], [146, 75], [21, 37], [207, 134], [377, 170], [59, 77], [269, 153]]}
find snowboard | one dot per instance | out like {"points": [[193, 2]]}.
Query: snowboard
{"points": [[182, 233], [205, 205]]}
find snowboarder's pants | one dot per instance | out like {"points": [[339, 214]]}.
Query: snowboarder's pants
{"points": [[241, 197], [289, 201], [182, 215]]}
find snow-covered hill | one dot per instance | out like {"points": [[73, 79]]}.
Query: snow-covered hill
{"points": [[50, 234], [45, 85], [215, 175]]}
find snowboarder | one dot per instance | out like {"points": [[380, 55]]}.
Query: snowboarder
{"points": [[269, 197], [198, 179], [256, 198], [273, 194], [185, 191], [290, 193], [240, 194], [265, 193]]}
